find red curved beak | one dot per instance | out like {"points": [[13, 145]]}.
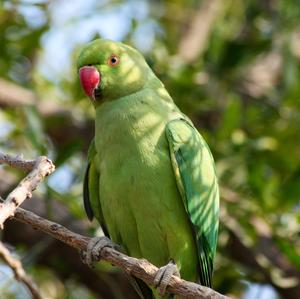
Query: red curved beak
{"points": [[90, 79]]}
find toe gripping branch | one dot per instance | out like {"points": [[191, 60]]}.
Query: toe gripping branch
{"points": [[94, 248], [163, 276]]}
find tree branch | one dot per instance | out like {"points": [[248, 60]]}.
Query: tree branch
{"points": [[17, 162], [13, 95], [49, 251], [139, 268], [19, 271], [195, 38], [42, 168]]}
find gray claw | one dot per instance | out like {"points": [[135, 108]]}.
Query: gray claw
{"points": [[163, 276], [94, 248]]}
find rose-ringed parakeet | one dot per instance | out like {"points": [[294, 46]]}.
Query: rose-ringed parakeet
{"points": [[150, 179]]}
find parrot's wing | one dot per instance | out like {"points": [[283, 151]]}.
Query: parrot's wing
{"points": [[91, 189], [194, 170]]}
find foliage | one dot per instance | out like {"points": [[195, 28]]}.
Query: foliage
{"points": [[240, 87]]}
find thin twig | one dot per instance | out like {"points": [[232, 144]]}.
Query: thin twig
{"points": [[42, 167], [19, 271], [139, 268], [17, 162]]}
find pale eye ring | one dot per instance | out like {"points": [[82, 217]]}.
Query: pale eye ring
{"points": [[113, 60]]}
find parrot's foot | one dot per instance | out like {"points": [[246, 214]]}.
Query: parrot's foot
{"points": [[94, 248], [163, 276]]}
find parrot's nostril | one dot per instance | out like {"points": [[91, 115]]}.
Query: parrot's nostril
{"points": [[97, 94]]}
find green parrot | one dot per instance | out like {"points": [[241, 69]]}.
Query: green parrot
{"points": [[150, 179]]}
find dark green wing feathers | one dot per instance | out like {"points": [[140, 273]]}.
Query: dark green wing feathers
{"points": [[86, 196], [194, 170], [91, 198]]}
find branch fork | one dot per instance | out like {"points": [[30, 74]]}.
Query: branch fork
{"points": [[40, 168]]}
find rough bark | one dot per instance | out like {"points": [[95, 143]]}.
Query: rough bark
{"points": [[139, 268], [42, 168]]}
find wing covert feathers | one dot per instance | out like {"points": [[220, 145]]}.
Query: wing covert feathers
{"points": [[194, 171]]}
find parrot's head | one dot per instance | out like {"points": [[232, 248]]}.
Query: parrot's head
{"points": [[110, 70]]}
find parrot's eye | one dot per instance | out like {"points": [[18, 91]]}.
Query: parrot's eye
{"points": [[113, 60]]}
